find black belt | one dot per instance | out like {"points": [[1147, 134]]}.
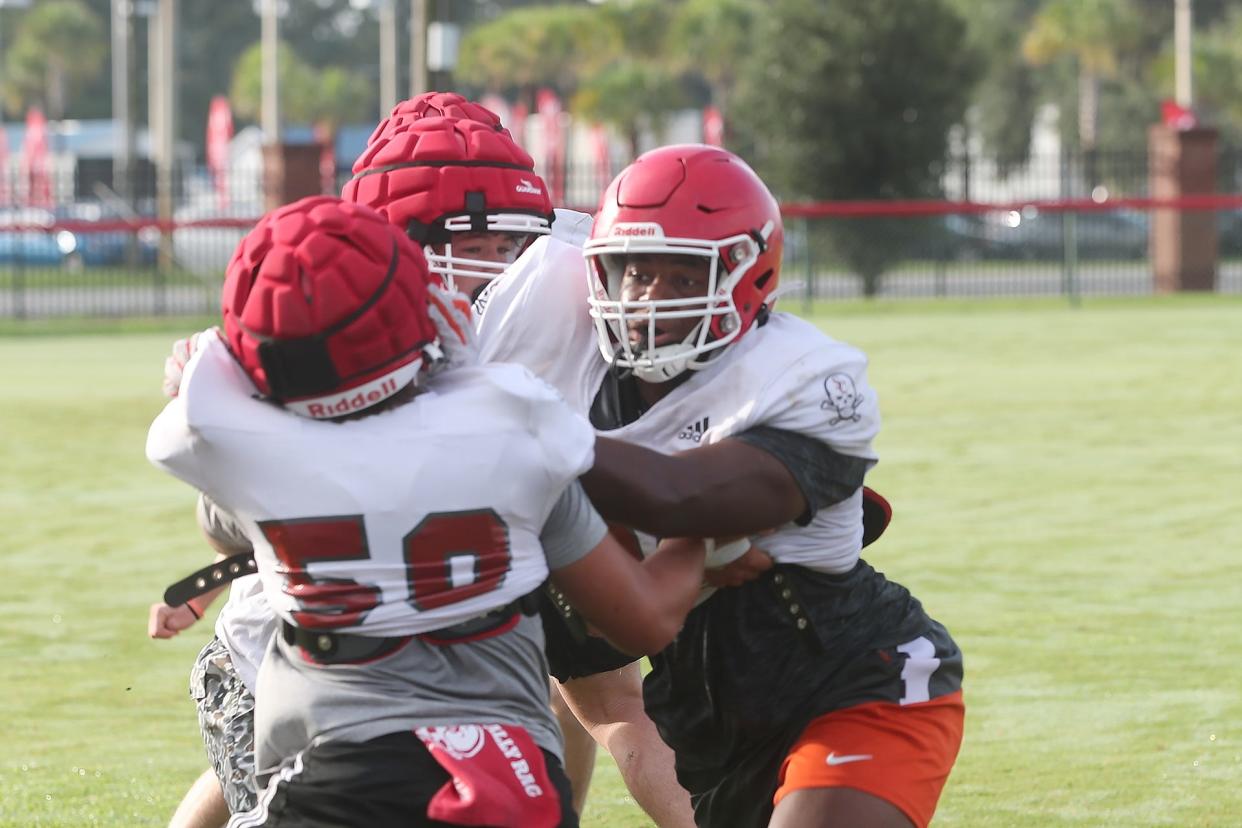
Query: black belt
{"points": [[325, 647], [340, 648]]}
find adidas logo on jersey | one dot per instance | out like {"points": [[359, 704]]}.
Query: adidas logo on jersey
{"points": [[695, 430]]}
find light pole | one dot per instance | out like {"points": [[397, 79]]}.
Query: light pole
{"points": [[1182, 55], [270, 38], [418, 47], [123, 152], [162, 99], [387, 55]]}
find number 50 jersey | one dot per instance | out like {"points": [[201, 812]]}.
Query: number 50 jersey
{"points": [[400, 523]]}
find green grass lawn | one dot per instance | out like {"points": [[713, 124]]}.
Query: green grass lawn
{"points": [[12, 277], [1066, 491]]}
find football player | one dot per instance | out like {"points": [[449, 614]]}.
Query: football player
{"points": [[437, 166], [446, 171], [460, 169], [400, 521], [821, 693]]}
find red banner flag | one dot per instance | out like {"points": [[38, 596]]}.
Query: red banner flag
{"points": [[1177, 116], [219, 134], [35, 160], [602, 156], [500, 106], [549, 105], [326, 140], [713, 127], [517, 123], [5, 196]]}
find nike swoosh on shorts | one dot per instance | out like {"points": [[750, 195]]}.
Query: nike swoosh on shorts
{"points": [[833, 759]]}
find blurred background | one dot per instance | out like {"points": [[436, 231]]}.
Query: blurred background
{"points": [[920, 149]]}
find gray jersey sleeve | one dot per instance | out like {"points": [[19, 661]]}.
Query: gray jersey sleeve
{"points": [[220, 526], [825, 476], [572, 529]]}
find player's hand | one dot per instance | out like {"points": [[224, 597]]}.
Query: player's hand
{"points": [[164, 621], [174, 363], [450, 313], [748, 566]]}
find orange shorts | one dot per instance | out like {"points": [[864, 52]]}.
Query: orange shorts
{"points": [[899, 753]]}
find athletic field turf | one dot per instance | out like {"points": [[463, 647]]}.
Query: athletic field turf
{"points": [[1066, 485]]}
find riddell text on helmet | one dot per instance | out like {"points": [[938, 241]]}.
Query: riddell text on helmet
{"points": [[638, 228], [345, 404]]}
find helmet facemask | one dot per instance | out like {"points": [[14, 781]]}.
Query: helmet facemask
{"points": [[451, 266], [719, 323]]}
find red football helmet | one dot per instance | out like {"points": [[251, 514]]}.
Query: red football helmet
{"points": [[685, 200], [325, 307], [440, 164]]}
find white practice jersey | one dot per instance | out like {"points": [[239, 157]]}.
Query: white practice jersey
{"points": [[404, 522], [536, 316], [786, 375]]}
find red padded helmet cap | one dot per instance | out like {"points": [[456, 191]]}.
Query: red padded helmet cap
{"points": [[325, 306], [439, 156]]}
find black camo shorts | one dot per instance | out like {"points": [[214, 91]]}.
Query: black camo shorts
{"points": [[226, 719]]}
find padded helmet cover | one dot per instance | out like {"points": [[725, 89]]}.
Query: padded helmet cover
{"points": [[440, 155], [324, 297]]}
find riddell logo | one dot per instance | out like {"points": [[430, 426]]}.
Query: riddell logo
{"points": [[525, 185], [345, 405], [639, 230]]}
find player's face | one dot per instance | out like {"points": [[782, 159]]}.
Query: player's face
{"points": [[503, 248], [658, 276]]}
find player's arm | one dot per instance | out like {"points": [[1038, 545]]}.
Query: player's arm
{"points": [[757, 480], [226, 537], [638, 607]]}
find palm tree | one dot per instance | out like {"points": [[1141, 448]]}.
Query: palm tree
{"points": [[712, 37], [60, 44], [1095, 34]]}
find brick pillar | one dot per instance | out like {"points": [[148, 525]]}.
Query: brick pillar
{"points": [[290, 172], [1184, 249]]}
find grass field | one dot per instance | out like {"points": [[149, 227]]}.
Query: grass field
{"points": [[1066, 491]]}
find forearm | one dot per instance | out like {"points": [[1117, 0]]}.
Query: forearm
{"points": [[725, 490], [669, 583], [638, 607], [675, 575]]}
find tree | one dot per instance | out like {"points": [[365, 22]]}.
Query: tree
{"points": [[552, 46], [629, 95], [60, 45], [712, 37], [332, 96], [855, 99], [1006, 96], [1092, 33]]}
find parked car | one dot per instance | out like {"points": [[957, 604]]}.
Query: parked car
{"points": [[22, 243], [108, 247], [206, 251], [1034, 234]]}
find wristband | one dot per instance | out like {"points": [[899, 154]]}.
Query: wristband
{"points": [[198, 616]]}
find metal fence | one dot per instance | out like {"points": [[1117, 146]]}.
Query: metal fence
{"points": [[95, 247]]}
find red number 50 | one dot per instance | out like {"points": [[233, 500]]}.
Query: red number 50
{"points": [[443, 544]]}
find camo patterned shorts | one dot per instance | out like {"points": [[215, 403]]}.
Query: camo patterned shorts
{"points": [[226, 719]]}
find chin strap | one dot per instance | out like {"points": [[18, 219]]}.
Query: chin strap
{"points": [[619, 371]]}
